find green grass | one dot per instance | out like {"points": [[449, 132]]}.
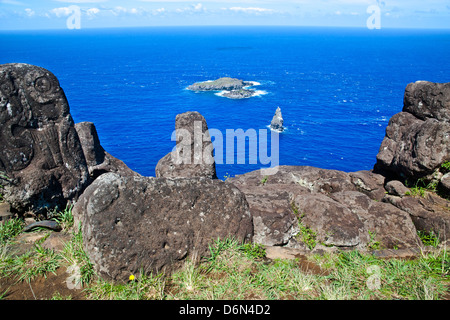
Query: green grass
{"points": [[421, 187], [264, 180], [373, 243], [358, 276], [233, 270], [64, 218], [446, 166], [9, 229], [306, 234]]}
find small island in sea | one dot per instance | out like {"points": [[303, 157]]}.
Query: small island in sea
{"points": [[277, 121], [229, 87]]}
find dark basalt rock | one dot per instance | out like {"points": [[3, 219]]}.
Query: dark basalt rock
{"points": [[40, 154], [98, 160], [426, 100], [429, 213], [417, 140], [339, 207], [131, 224], [193, 154]]}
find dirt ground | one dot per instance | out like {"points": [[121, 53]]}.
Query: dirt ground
{"points": [[54, 286]]}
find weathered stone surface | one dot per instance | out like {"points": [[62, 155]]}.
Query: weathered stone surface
{"points": [[333, 222], [369, 183], [391, 227], [311, 178], [152, 224], [98, 160], [396, 188], [426, 99], [417, 139], [339, 207], [193, 154], [414, 148], [274, 220], [271, 199], [40, 150], [429, 213]]}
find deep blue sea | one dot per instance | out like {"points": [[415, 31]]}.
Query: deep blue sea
{"points": [[337, 87]]}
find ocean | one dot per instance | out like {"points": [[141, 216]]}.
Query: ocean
{"points": [[337, 87]]}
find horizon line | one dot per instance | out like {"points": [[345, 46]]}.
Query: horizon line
{"points": [[231, 25]]}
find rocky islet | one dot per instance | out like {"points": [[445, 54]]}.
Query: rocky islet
{"points": [[228, 87]]}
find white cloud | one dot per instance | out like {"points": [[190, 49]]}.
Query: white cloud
{"points": [[118, 10], [192, 8], [29, 12], [92, 11], [61, 12], [198, 7], [250, 9]]}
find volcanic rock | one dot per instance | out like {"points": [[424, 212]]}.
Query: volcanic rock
{"points": [[41, 154], [430, 213], [396, 188], [417, 140], [426, 100], [134, 224], [98, 160], [277, 121], [329, 203], [193, 153]]}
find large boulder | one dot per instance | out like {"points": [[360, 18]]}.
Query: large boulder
{"points": [[417, 140], [339, 209], [382, 222], [40, 154], [133, 224], [426, 100], [193, 153], [430, 213]]}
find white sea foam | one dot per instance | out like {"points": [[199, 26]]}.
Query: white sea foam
{"points": [[221, 93], [259, 93], [279, 131], [253, 84]]}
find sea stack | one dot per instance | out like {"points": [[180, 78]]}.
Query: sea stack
{"points": [[277, 121]]}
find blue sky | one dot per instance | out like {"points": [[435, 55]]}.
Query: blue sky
{"points": [[53, 14]]}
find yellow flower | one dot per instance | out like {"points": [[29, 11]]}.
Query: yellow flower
{"points": [[131, 277]]}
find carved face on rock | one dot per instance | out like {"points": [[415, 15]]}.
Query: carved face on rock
{"points": [[30, 99], [38, 141]]}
